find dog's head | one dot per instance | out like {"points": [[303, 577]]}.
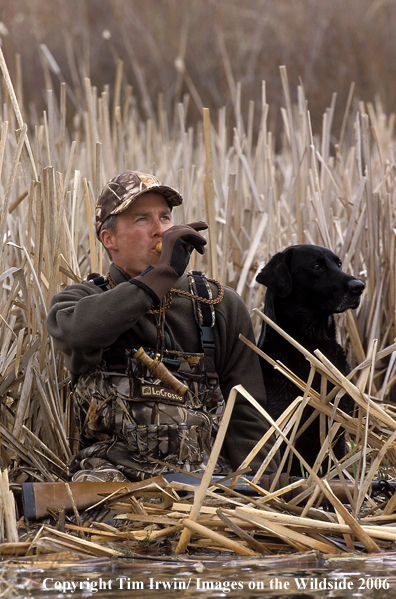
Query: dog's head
{"points": [[311, 277]]}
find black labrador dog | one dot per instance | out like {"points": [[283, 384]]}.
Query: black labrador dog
{"points": [[305, 287]]}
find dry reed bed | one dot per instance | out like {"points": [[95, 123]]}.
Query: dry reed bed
{"points": [[256, 201]]}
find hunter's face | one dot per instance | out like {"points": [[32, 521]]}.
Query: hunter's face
{"points": [[138, 230]]}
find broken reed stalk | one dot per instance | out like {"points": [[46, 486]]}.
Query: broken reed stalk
{"points": [[242, 534], [217, 538], [200, 494], [227, 228], [209, 193], [252, 252], [15, 105], [11, 181], [296, 539], [91, 232], [292, 141], [7, 509], [311, 525]]}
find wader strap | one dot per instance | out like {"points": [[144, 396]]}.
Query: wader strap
{"points": [[206, 320], [205, 316]]}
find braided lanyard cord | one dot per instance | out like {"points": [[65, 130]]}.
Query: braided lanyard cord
{"points": [[169, 296], [206, 328]]}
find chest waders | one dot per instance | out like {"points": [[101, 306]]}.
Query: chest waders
{"points": [[144, 415]]}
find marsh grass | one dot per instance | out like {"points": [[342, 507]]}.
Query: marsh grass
{"points": [[316, 189]]}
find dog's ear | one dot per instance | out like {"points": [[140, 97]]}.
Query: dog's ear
{"points": [[276, 275]]}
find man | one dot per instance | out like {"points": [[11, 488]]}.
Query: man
{"points": [[144, 412]]}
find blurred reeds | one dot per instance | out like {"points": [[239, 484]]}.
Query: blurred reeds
{"points": [[217, 52], [316, 188]]}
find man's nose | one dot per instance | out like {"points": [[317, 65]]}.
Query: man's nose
{"points": [[158, 226]]}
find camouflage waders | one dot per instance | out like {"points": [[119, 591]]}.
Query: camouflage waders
{"points": [[137, 423]]}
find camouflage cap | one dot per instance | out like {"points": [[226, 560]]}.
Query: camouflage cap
{"points": [[122, 190]]}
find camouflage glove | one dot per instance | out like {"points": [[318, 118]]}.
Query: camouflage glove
{"points": [[178, 243]]}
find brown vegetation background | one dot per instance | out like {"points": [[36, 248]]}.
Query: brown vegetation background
{"points": [[206, 48]]}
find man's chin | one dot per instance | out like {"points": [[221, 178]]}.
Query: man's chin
{"points": [[154, 257]]}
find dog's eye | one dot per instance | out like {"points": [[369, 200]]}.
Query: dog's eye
{"points": [[339, 264], [316, 266]]}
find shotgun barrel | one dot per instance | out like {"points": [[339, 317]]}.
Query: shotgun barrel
{"points": [[38, 497]]}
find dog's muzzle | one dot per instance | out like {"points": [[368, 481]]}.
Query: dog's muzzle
{"points": [[355, 289]]}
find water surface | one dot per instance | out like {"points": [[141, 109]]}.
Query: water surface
{"points": [[295, 576]]}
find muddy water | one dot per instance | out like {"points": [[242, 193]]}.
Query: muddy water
{"points": [[302, 577]]}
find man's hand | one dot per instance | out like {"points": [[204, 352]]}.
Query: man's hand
{"points": [[178, 242]]}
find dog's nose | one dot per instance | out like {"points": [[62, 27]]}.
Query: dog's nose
{"points": [[356, 286]]}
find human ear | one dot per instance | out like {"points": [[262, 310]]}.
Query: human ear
{"points": [[108, 239]]}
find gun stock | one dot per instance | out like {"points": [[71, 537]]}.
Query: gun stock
{"points": [[38, 497]]}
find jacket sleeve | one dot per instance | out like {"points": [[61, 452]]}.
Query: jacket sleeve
{"points": [[239, 365], [83, 320]]}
